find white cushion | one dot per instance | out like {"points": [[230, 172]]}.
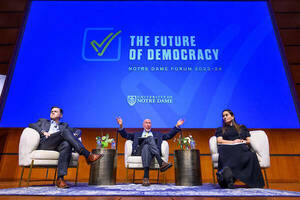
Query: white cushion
{"points": [[49, 155], [136, 162], [134, 159], [73, 163], [44, 155], [140, 166], [45, 162]]}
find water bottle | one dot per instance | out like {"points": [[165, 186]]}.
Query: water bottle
{"points": [[113, 144], [193, 144], [98, 144]]}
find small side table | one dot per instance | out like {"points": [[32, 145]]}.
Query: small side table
{"points": [[187, 167], [103, 171]]}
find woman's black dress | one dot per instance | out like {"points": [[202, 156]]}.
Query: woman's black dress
{"points": [[241, 160]]}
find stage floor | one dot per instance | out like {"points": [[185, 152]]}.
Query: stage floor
{"points": [[279, 186]]}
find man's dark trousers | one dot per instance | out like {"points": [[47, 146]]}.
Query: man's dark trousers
{"points": [[150, 149], [63, 142]]}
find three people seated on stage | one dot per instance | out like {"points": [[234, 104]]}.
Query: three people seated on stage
{"points": [[58, 136], [144, 145], [236, 160]]}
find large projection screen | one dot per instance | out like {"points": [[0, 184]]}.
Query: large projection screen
{"points": [[162, 60]]}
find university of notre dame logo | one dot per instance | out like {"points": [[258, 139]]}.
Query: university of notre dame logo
{"points": [[131, 100]]}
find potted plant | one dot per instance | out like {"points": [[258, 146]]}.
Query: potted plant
{"points": [[185, 142], [103, 141]]}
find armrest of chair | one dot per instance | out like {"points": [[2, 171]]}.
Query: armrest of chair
{"points": [[213, 147], [165, 150], [128, 150], [29, 142], [260, 144]]}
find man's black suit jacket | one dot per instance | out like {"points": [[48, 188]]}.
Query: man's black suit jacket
{"points": [[157, 135], [44, 125]]}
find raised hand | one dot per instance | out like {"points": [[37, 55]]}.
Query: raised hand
{"points": [[179, 122], [120, 121]]}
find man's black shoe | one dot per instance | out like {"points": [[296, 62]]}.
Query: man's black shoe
{"points": [[164, 166], [60, 183], [93, 157], [146, 182]]}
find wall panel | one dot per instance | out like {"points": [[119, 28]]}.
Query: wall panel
{"points": [[6, 53], [290, 36], [4, 68], [297, 88], [285, 5], [11, 20], [8, 35], [12, 5], [288, 20], [295, 71], [292, 54]]}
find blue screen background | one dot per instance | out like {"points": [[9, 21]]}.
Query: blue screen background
{"points": [[56, 65]]}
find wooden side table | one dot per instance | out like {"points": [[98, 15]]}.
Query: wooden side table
{"points": [[187, 167], [103, 171]]}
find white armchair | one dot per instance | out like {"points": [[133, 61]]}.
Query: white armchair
{"points": [[260, 145], [135, 162], [31, 158]]}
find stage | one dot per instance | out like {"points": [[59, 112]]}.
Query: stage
{"points": [[292, 187]]}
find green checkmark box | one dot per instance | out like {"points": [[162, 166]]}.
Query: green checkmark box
{"points": [[95, 44]]}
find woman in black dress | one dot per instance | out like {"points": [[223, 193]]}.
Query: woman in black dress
{"points": [[234, 153]]}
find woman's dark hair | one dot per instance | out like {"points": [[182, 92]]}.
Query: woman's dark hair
{"points": [[236, 125]]}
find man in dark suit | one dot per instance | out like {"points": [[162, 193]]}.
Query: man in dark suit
{"points": [[56, 135], [148, 144]]}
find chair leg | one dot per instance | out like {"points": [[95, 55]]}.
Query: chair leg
{"points": [[21, 176], [133, 176], [127, 174], [157, 176], [213, 174], [54, 176], [29, 174], [76, 178], [266, 178], [47, 174]]}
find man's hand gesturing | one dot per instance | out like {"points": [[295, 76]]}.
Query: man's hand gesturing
{"points": [[120, 122], [179, 122]]}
